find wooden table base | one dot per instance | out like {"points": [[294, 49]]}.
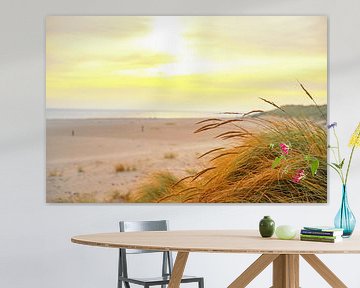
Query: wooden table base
{"points": [[178, 270], [254, 270], [286, 271], [324, 271]]}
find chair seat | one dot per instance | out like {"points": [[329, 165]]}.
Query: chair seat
{"points": [[158, 280]]}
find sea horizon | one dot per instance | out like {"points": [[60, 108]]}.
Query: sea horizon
{"points": [[63, 114]]}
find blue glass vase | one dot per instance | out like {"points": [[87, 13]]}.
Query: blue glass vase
{"points": [[345, 219]]}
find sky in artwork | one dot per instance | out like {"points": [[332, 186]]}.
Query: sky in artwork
{"points": [[181, 63]]}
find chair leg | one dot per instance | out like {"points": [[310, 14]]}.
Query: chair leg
{"points": [[201, 283]]}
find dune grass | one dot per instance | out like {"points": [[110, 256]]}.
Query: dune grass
{"points": [[55, 173], [170, 155], [244, 173], [155, 187], [119, 168]]}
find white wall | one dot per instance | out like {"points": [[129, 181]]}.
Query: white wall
{"points": [[35, 248]]}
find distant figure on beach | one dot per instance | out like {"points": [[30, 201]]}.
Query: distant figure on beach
{"points": [[142, 128], [72, 133]]}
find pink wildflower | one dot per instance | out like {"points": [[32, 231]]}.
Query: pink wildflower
{"points": [[284, 148], [300, 174]]}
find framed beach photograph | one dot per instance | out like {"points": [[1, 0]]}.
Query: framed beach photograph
{"points": [[186, 109]]}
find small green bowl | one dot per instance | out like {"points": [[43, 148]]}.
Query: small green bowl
{"points": [[285, 232]]}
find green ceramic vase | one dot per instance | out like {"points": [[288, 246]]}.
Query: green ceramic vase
{"points": [[267, 227]]}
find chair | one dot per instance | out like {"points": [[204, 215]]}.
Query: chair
{"points": [[167, 262]]}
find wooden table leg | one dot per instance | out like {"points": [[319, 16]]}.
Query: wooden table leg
{"points": [[178, 269], [324, 271], [253, 270], [293, 264], [286, 271]]}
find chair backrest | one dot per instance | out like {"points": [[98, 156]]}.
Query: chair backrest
{"points": [[137, 226], [133, 226]]}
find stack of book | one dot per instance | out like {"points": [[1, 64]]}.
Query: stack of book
{"points": [[321, 234]]}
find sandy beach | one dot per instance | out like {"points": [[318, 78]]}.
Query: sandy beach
{"points": [[102, 160]]}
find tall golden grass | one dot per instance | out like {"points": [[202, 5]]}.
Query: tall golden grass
{"points": [[242, 171], [155, 187]]}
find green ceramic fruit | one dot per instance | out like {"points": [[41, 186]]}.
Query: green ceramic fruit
{"points": [[285, 232], [267, 227]]}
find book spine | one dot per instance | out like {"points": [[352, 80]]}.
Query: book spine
{"points": [[319, 233], [319, 236], [317, 239]]}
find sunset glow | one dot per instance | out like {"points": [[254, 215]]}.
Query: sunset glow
{"points": [[178, 63]]}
